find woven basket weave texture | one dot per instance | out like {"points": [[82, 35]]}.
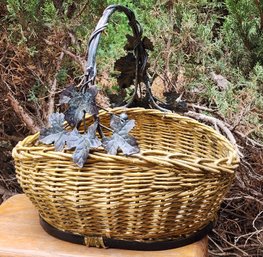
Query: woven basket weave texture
{"points": [[172, 188]]}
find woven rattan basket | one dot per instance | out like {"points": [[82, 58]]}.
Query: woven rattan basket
{"points": [[168, 192]]}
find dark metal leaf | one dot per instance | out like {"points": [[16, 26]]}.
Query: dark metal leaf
{"points": [[67, 94], [128, 145], [81, 154], [93, 90], [83, 143], [147, 43], [50, 136], [124, 80], [56, 133], [132, 43], [127, 127], [126, 63], [61, 140], [91, 135], [121, 125], [73, 138], [127, 66], [56, 120], [116, 123], [80, 104], [120, 138], [112, 145], [74, 115]]}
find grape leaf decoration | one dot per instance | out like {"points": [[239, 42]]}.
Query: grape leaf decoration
{"points": [[127, 65], [120, 138], [83, 143], [68, 93], [132, 43], [79, 104], [55, 133]]}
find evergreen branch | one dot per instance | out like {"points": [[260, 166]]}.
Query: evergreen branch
{"points": [[260, 9]]}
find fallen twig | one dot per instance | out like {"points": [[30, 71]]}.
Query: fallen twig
{"points": [[232, 245], [52, 92], [253, 142], [219, 248], [22, 114], [242, 197], [222, 254], [249, 235], [231, 128], [78, 59], [218, 124], [202, 108], [82, 9], [5, 193]]}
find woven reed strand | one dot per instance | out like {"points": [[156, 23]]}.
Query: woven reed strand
{"points": [[173, 187]]}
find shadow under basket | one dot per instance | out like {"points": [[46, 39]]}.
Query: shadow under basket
{"points": [[163, 197]]}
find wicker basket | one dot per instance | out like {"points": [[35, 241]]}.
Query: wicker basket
{"points": [[170, 190]]}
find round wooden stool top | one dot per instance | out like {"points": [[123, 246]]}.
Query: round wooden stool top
{"points": [[22, 236]]}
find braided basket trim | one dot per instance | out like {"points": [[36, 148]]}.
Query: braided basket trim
{"points": [[26, 148]]}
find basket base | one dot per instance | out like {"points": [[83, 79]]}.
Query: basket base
{"points": [[125, 244]]}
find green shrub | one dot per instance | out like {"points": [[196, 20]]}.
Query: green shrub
{"points": [[191, 40]]}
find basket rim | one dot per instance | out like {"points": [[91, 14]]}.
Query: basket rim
{"points": [[157, 157]]}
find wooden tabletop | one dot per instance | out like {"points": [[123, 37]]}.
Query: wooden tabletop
{"points": [[22, 236]]}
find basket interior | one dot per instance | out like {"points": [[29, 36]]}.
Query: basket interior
{"points": [[176, 134]]}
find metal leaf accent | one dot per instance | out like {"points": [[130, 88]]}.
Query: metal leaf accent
{"points": [[132, 43], [83, 143], [120, 138], [79, 104], [127, 65], [56, 133]]}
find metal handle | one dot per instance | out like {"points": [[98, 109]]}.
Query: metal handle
{"points": [[148, 101], [141, 56]]}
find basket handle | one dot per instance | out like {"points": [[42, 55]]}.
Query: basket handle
{"points": [[147, 101], [140, 53]]}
